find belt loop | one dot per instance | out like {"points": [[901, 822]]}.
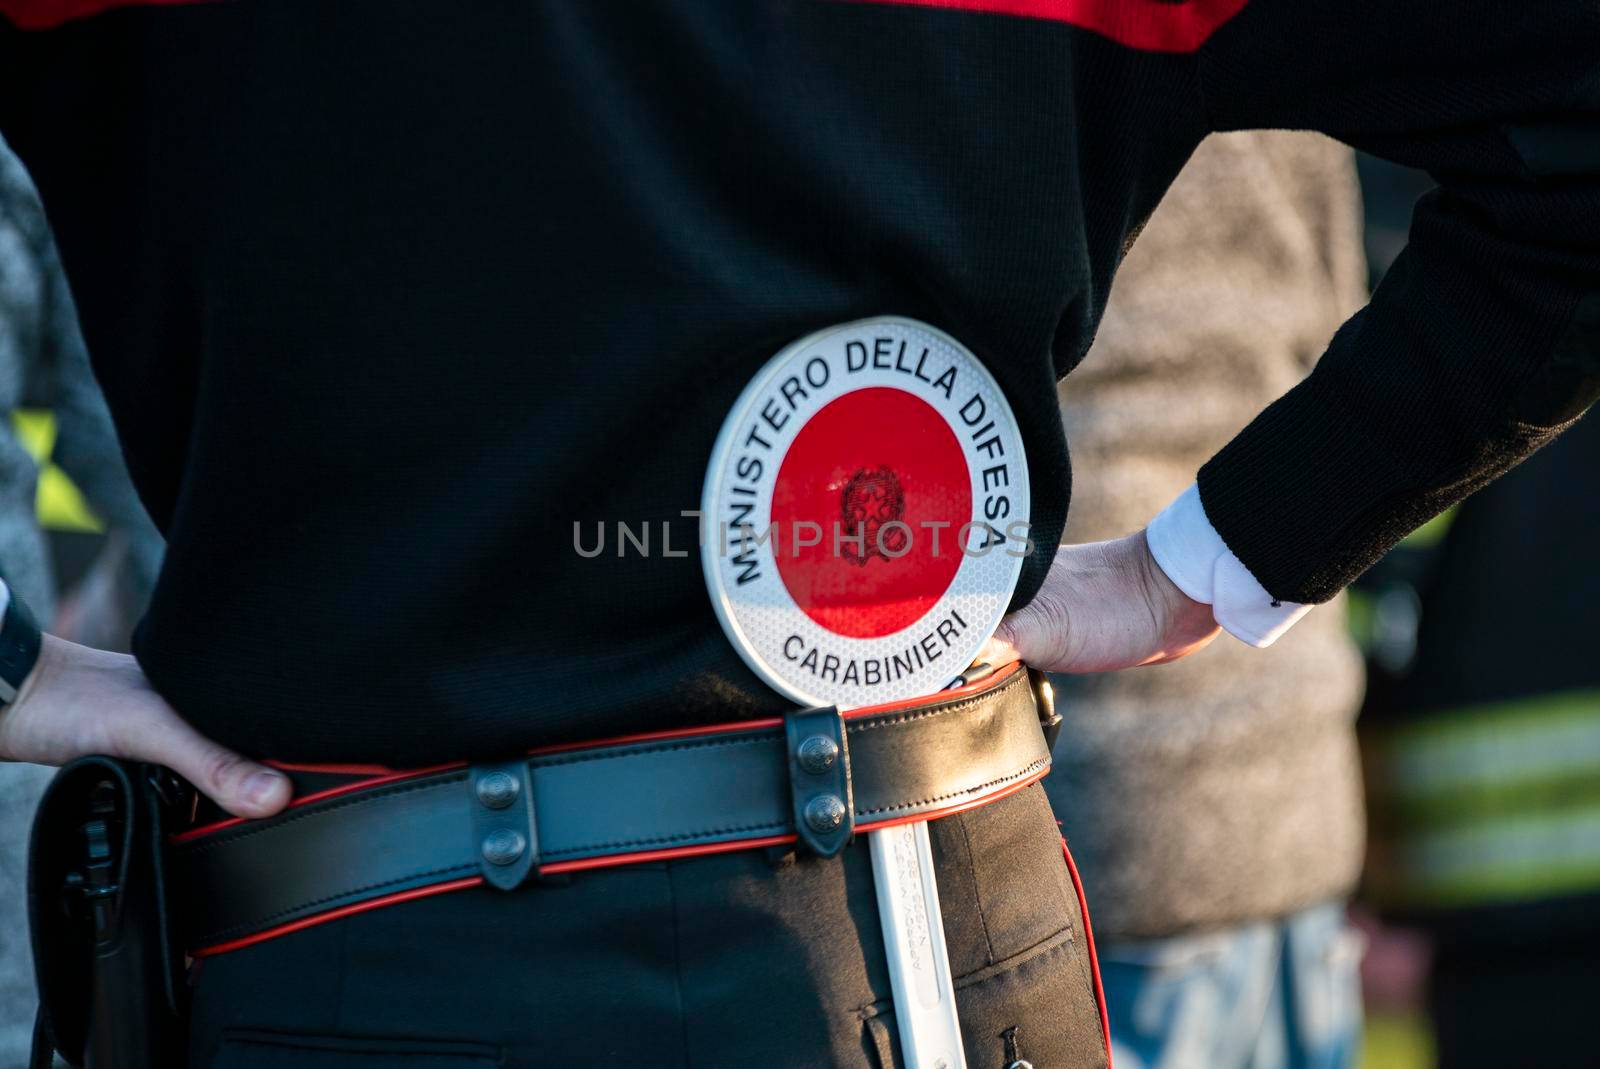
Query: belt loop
{"points": [[819, 779], [505, 832]]}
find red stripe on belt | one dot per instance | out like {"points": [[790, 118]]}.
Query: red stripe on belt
{"points": [[676, 853]]}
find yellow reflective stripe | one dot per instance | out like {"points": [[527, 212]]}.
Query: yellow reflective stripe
{"points": [[1487, 804], [58, 503], [35, 429], [1577, 791], [1541, 740], [1504, 861]]}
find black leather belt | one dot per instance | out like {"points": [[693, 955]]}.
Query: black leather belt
{"points": [[815, 776]]}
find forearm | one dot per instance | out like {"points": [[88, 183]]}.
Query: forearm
{"points": [[1483, 341]]}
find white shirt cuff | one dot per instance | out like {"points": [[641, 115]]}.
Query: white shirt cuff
{"points": [[1200, 564]]}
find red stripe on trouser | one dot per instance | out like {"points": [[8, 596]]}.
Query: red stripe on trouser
{"points": [[1094, 959]]}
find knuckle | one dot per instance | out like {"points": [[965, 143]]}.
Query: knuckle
{"points": [[219, 767], [1043, 627], [1050, 612]]}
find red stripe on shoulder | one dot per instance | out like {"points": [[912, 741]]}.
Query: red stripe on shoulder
{"points": [[48, 14], [1149, 25]]}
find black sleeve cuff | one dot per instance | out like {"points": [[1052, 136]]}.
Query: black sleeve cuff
{"points": [[19, 647]]}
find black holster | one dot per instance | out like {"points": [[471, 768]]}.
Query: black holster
{"points": [[110, 975]]}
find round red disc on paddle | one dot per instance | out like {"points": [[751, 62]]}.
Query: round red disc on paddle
{"points": [[866, 508]]}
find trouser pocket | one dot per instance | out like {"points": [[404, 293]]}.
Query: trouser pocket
{"points": [[249, 1049], [1018, 937], [1036, 1007]]}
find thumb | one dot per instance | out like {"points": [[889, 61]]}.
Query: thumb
{"points": [[1002, 645], [242, 787]]}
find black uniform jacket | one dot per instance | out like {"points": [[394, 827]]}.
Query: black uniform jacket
{"points": [[386, 295]]}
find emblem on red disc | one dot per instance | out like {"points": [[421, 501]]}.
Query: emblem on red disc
{"points": [[865, 514]]}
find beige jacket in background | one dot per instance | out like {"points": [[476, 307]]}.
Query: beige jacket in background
{"points": [[1223, 788]]}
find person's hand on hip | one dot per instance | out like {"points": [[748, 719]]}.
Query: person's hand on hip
{"points": [[1103, 606], [80, 701]]}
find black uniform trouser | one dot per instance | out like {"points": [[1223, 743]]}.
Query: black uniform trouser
{"points": [[732, 960]]}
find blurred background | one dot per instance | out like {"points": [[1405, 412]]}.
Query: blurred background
{"points": [[75, 543], [1378, 842], [1275, 880], [1480, 743]]}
